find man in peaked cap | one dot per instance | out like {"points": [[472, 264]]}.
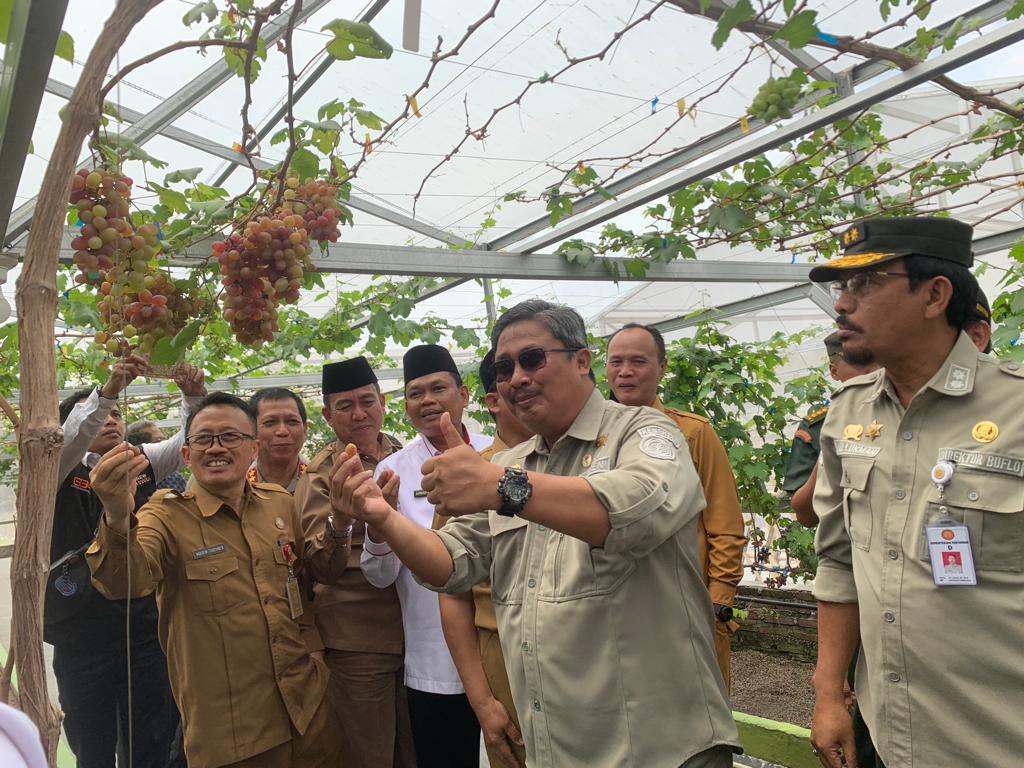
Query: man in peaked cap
{"points": [[444, 727], [923, 457], [361, 625]]}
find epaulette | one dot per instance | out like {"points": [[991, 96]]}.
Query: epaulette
{"points": [[166, 493], [871, 377], [269, 487], [687, 415], [817, 415], [1012, 368], [324, 454]]}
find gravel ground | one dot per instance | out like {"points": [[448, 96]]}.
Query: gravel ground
{"points": [[774, 687]]}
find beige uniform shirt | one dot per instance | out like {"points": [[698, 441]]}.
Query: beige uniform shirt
{"points": [[940, 679], [352, 614], [240, 672], [609, 649]]}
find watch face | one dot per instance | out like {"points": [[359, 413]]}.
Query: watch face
{"points": [[517, 492]]}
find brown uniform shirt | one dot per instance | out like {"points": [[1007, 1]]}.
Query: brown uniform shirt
{"points": [[239, 669], [721, 537], [352, 614], [484, 617]]}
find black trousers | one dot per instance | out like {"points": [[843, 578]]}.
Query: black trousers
{"points": [[92, 686], [444, 730]]}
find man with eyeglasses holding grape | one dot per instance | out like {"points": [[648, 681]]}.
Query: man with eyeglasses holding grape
{"points": [[223, 558], [589, 534]]}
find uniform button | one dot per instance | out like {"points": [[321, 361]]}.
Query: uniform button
{"points": [[901, 494], [889, 617], [1012, 366], [541, 528], [907, 435], [893, 677], [973, 495], [531, 583], [664, 487], [893, 554], [536, 705], [525, 646], [213, 570]]}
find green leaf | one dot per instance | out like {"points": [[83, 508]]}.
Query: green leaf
{"points": [[195, 15], [798, 30], [187, 336], [1016, 11], [278, 137], [65, 47], [368, 119], [171, 198], [737, 14], [185, 174], [305, 164], [788, 6], [354, 38], [165, 353]]}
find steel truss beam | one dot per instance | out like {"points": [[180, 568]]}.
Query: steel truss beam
{"points": [[1000, 242], [986, 14], [31, 40], [178, 103], [734, 308], [902, 81]]}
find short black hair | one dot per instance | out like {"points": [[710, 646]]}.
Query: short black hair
{"points": [[659, 340], [221, 398], [67, 405], [277, 393], [138, 432], [961, 303]]}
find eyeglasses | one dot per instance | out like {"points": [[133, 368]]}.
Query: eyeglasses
{"points": [[529, 360], [858, 283], [224, 440]]}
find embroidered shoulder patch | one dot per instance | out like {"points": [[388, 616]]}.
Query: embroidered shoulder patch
{"points": [[657, 442]]}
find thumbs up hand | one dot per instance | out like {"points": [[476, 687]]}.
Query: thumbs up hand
{"points": [[458, 481]]}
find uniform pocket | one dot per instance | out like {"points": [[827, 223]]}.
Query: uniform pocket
{"points": [[508, 558], [992, 508], [580, 570], [215, 584], [856, 502]]}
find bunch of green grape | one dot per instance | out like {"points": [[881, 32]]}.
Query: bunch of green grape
{"points": [[775, 99]]}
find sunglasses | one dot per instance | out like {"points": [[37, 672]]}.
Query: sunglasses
{"points": [[529, 360]]}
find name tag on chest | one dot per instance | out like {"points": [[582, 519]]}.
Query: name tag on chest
{"points": [[216, 549]]}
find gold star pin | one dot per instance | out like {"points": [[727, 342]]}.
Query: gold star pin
{"points": [[853, 431], [874, 429], [602, 440]]}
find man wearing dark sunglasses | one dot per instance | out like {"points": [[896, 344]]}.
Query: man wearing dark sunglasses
{"points": [[588, 532], [224, 558]]}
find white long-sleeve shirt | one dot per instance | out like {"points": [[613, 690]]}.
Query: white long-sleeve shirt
{"points": [[428, 664], [87, 418]]}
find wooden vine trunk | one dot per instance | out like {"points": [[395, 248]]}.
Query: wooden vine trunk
{"points": [[40, 439]]}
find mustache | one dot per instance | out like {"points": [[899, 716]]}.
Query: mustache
{"points": [[843, 322]]}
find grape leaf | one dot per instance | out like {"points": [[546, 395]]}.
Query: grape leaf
{"points": [[305, 164], [185, 174], [165, 353], [187, 336], [798, 30], [6, 11], [208, 9], [173, 199], [737, 14], [354, 38], [65, 47]]}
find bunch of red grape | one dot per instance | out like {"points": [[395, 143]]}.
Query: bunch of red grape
{"points": [[262, 264], [139, 303]]}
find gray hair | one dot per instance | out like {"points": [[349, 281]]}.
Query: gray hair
{"points": [[564, 323]]}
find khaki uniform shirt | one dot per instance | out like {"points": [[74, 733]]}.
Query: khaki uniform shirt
{"points": [[352, 614], [483, 616], [720, 529], [240, 672], [609, 649], [940, 679]]}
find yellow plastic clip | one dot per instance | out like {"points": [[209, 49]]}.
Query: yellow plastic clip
{"points": [[413, 105], [681, 107], [367, 144], [744, 124]]}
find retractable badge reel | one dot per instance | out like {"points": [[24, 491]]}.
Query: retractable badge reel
{"points": [[291, 585], [949, 542]]}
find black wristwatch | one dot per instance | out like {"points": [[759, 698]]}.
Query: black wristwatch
{"points": [[723, 613], [515, 490]]}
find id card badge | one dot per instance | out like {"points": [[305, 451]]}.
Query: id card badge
{"points": [[949, 549]]}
